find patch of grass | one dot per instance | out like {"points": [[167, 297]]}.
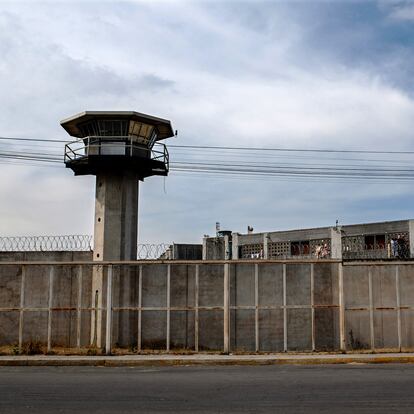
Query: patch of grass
{"points": [[32, 348], [15, 349], [92, 351], [133, 348]]}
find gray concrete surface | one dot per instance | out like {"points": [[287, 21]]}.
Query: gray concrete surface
{"points": [[270, 389], [115, 231], [116, 216], [75, 256], [205, 359], [273, 306]]}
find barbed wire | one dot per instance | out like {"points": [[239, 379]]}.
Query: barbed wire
{"points": [[74, 242], [153, 251]]}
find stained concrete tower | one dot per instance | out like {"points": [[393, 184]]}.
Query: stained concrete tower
{"points": [[121, 149]]}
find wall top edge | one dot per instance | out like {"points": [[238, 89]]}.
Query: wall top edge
{"points": [[201, 262], [166, 262]]}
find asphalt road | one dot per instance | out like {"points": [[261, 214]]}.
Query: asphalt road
{"points": [[234, 389]]}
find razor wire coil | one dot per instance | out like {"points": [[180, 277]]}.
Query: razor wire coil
{"points": [[74, 242]]}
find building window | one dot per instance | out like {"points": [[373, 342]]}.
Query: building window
{"points": [[300, 248], [380, 241], [375, 242], [252, 251]]}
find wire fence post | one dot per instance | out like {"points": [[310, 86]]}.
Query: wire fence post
{"points": [[312, 298], [226, 310], [397, 291], [285, 337], [371, 311], [196, 294], [139, 343], [256, 306], [21, 313], [49, 313], [108, 311], [79, 308], [168, 305], [342, 343]]}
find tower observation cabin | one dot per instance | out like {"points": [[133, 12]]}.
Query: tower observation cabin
{"points": [[121, 149], [117, 141]]}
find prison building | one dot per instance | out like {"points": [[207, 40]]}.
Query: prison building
{"points": [[182, 251], [369, 241], [386, 240]]}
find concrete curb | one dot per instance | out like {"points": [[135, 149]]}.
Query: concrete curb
{"points": [[206, 360]]}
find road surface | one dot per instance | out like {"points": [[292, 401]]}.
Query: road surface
{"points": [[223, 389]]}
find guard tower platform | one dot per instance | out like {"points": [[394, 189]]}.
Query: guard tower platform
{"points": [[117, 141], [121, 149]]}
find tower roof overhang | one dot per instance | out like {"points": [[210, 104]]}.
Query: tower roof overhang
{"points": [[71, 125]]}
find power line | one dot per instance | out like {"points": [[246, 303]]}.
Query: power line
{"points": [[221, 155], [244, 177], [296, 167], [229, 148], [290, 149], [298, 173], [245, 167], [248, 167], [301, 179], [32, 139]]}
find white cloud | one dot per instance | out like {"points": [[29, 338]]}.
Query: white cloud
{"points": [[405, 12]]}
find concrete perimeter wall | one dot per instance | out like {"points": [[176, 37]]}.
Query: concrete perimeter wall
{"points": [[46, 256], [249, 306], [379, 306]]}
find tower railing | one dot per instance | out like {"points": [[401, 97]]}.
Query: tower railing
{"points": [[113, 145]]}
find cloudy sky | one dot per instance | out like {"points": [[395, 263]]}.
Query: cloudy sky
{"points": [[328, 75]]}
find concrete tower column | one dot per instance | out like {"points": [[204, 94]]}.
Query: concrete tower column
{"points": [[116, 216], [115, 233]]}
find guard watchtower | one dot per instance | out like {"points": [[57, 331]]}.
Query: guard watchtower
{"points": [[121, 149]]}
